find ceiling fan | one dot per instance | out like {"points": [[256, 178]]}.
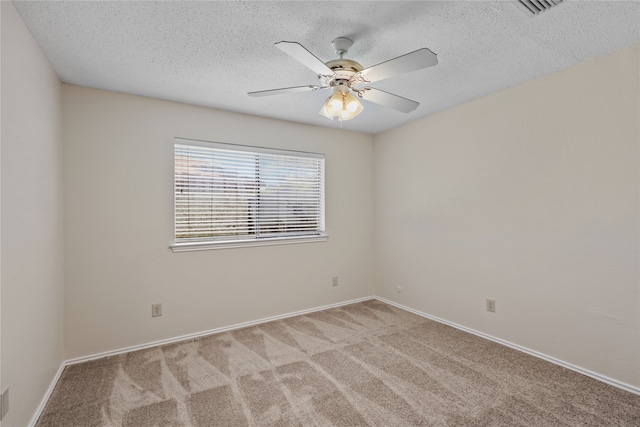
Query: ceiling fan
{"points": [[347, 77]]}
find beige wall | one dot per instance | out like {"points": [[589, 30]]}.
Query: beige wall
{"points": [[32, 258], [119, 224], [1, 386], [529, 196]]}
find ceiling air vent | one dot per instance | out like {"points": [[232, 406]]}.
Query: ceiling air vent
{"points": [[535, 7]]}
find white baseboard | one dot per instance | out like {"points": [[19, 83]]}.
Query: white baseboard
{"points": [[209, 332], [619, 384], [47, 395]]}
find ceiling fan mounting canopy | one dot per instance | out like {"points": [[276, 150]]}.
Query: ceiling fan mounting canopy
{"points": [[342, 45], [346, 75]]}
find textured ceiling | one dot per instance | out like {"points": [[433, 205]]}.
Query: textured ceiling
{"points": [[213, 53]]}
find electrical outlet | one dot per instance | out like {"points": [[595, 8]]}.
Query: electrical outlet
{"points": [[399, 289], [4, 403], [335, 281], [156, 310], [491, 305]]}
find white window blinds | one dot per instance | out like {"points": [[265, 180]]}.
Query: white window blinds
{"points": [[228, 193]]}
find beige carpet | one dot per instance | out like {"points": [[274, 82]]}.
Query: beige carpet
{"points": [[362, 364]]}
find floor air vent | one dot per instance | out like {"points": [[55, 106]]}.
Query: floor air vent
{"points": [[535, 7]]}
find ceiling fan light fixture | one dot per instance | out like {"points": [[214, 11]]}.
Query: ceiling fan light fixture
{"points": [[334, 103], [351, 107], [332, 106], [341, 105], [324, 112]]}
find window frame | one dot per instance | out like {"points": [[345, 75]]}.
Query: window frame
{"points": [[321, 236]]}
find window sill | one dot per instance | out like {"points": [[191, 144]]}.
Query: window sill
{"points": [[205, 246]]}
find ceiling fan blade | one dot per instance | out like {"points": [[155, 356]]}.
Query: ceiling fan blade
{"points": [[301, 54], [416, 60], [309, 88], [390, 100]]}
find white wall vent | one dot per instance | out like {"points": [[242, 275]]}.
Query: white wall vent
{"points": [[535, 7]]}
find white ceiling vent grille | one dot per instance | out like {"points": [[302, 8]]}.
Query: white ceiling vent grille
{"points": [[535, 7]]}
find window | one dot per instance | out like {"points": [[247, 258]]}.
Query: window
{"points": [[232, 195]]}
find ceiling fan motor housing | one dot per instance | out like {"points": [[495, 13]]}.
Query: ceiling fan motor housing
{"points": [[344, 70]]}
